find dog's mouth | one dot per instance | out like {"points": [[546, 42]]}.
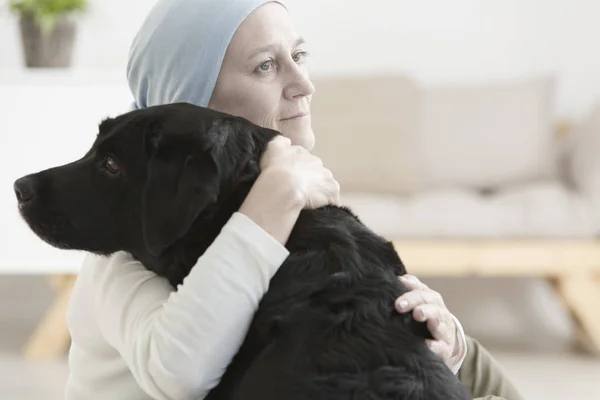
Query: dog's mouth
{"points": [[50, 226]]}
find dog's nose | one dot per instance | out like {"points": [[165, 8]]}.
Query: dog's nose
{"points": [[24, 189]]}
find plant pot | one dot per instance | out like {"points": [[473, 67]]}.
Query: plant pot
{"points": [[53, 49]]}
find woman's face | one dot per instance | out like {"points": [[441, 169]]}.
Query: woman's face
{"points": [[264, 78]]}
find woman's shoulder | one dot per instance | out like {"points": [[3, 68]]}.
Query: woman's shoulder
{"points": [[120, 258], [119, 277], [102, 270]]}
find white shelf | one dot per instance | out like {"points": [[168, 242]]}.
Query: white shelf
{"points": [[61, 77], [47, 118]]}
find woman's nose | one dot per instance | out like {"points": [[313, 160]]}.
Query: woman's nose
{"points": [[299, 85]]}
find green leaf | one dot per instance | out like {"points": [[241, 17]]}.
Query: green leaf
{"points": [[44, 11]]}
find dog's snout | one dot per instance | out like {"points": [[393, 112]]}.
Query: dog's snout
{"points": [[24, 189]]}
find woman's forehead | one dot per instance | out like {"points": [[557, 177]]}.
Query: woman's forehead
{"points": [[268, 25]]}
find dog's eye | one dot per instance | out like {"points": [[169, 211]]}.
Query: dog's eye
{"points": [[111, 165]]}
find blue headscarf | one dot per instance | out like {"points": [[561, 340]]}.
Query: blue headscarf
{"points": [[177, 54]]}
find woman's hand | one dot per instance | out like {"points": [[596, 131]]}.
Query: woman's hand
{"points": [[427, 305], [291, 179], [302, 172]]}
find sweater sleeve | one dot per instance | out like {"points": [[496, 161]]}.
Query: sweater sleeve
{"points": [[463, 339], [178, 344], [483, 376]]}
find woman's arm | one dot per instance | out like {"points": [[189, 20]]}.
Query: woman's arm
{"points": [[482, 375], [178, 344]]}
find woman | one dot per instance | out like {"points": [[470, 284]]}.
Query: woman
{"points": [[133, 337]]}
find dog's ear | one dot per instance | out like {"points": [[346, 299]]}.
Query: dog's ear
{"points": [[236, 147], [223, 154], [181, 182]]}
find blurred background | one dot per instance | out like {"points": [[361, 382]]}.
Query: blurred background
{"points": [[467, 131]]}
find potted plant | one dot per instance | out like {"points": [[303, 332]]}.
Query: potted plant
{"points": [[48, 30]]}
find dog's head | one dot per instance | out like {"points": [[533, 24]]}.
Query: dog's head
{"points": [[148, 176]]}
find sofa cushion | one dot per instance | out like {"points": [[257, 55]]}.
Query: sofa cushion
{"points": [[486, 135], [537, 210], [365, 129], [387, 134]]}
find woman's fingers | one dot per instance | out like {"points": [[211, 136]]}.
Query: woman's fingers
{"points": [[440, 348], [416, 297], [302, 172], [412, 282], [428, 306]]}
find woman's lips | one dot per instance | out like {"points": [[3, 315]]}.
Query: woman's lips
{"points": [[295, 116]]}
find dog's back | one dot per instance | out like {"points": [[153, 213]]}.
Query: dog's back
{"points": [[327, 328]]}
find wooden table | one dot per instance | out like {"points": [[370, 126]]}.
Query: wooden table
{"points": [[572, 267]]}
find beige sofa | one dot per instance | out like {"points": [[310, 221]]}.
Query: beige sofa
{"points": [[472, 180]]}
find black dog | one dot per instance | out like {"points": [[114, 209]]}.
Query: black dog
{"points": [[162, 181]]}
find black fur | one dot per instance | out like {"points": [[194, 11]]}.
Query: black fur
{"points": [[326, 329]]}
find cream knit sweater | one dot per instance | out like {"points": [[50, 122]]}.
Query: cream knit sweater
{"points": [[135, 338]]}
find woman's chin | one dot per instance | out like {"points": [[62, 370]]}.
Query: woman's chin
{"points": [[300, 133], [305, 139]]}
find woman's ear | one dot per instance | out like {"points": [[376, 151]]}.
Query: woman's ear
{"points": [[176, 191]]}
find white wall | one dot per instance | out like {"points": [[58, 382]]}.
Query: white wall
{"points": [[441, 40], [437, 40]]}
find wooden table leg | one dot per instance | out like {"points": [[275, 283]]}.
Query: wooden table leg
{"points": [[51, 337], [581, 294]]}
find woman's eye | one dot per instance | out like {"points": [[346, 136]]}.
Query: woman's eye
{"points": [[266, 66], [111, 165], [300, 56]]}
